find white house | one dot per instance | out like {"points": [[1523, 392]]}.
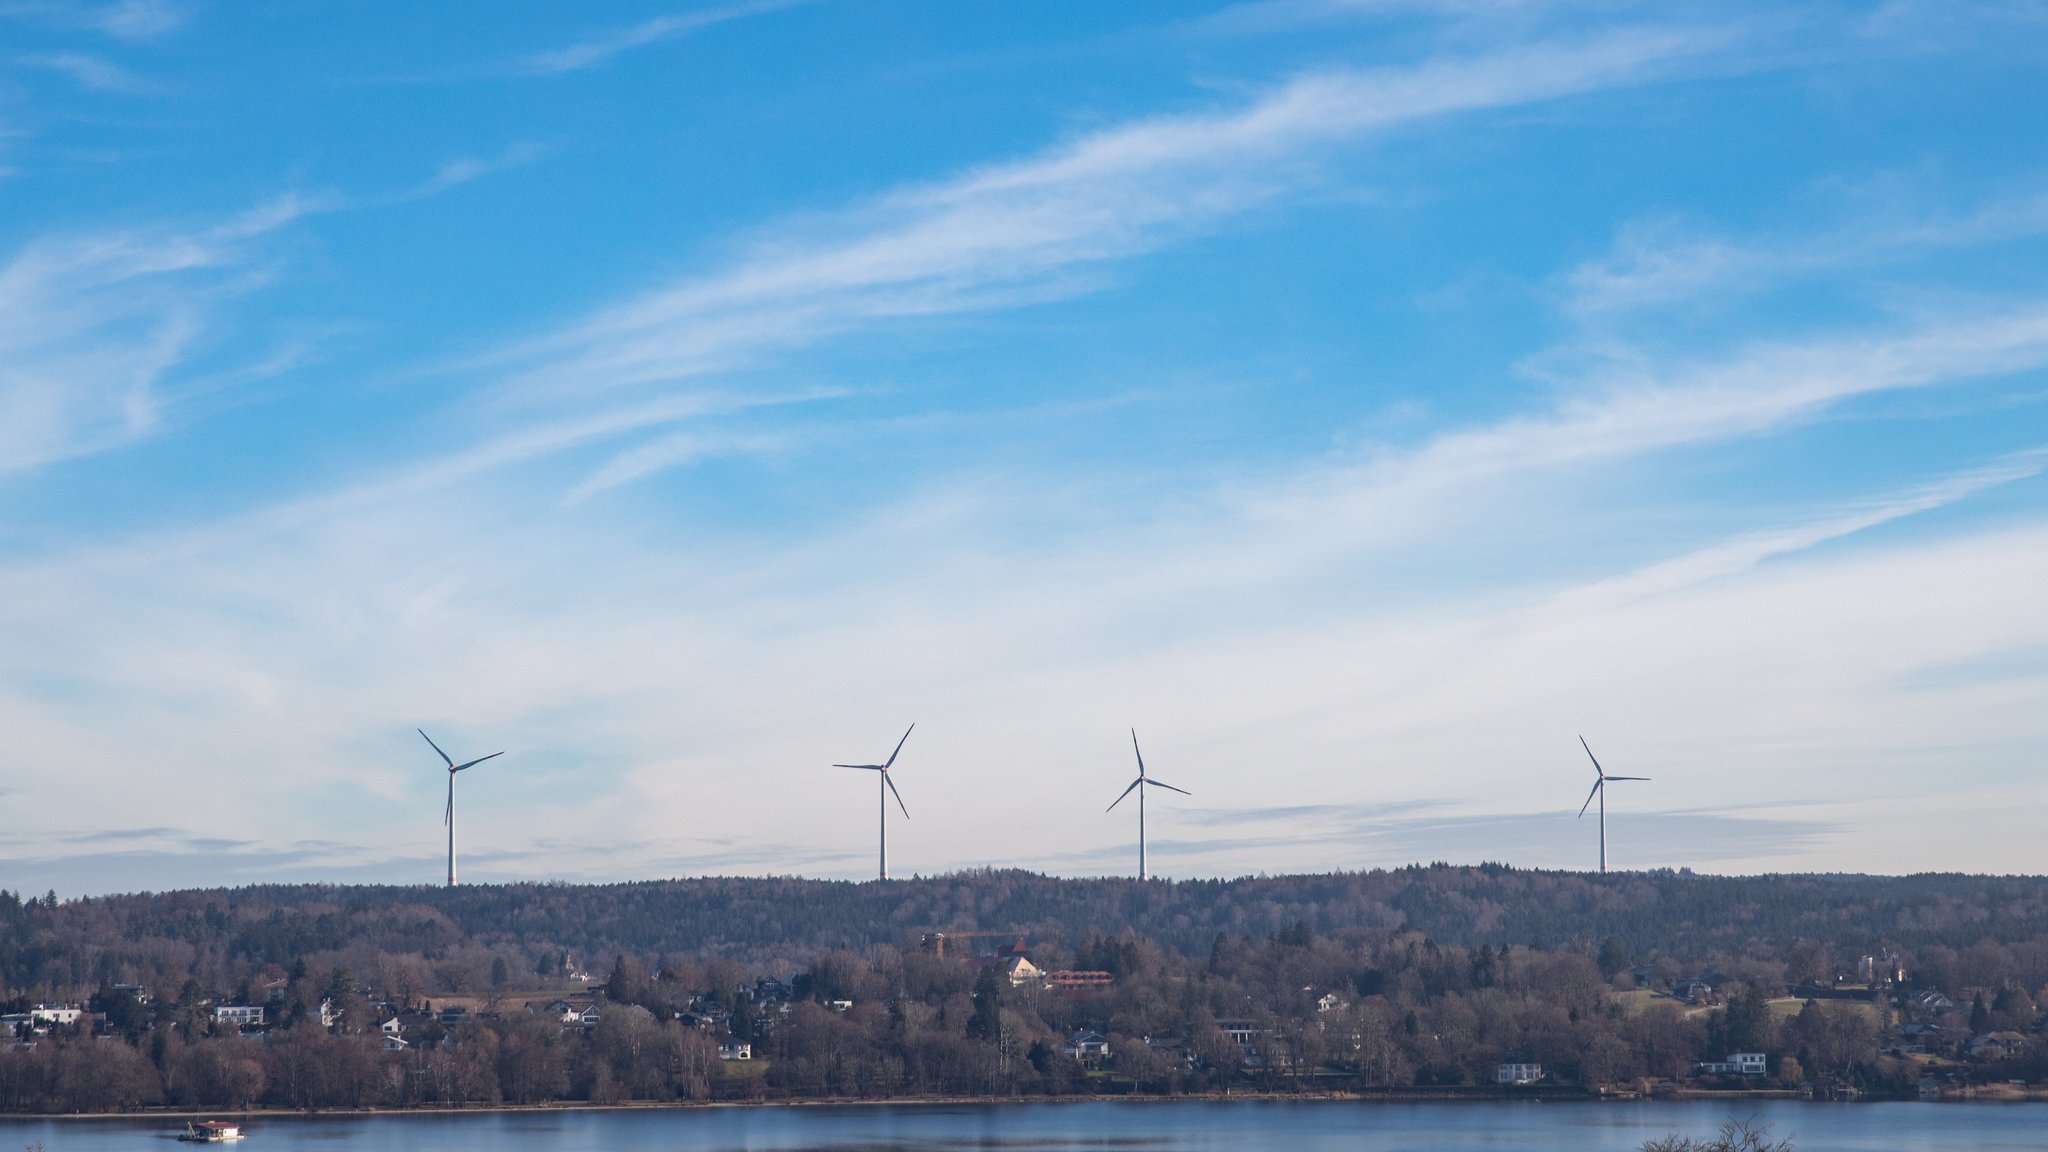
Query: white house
{"points": [[1242, 1033], [1737, 1064], [735, 1050], [1517, 1072], [1022, 971], [241, 1015], [1088, 1047], [64, 1014]]}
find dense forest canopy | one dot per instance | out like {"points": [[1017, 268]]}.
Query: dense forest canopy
{"points": [[163, 939]]}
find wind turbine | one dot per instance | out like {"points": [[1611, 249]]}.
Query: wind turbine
{"points": [[888, 790], [448, 817], [1138, 786], [1600, 790]]}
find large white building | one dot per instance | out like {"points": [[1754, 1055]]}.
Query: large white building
{"points": [[1737, 1064], [1517, 1072], [55, 1014], [240, 1015]]}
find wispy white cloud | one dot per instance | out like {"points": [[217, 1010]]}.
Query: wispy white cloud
{"points": [[978, 240], [465, 169], [141, 19], [1271, 14], [91, 324], [1742, 553], [125, 19], [601, 49], [1659, 263], [669, 452], [90, 72]]}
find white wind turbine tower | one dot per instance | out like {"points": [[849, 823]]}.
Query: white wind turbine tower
{"points": [[1138, 786], [1600, 790], [888, 790], [448, 817]]}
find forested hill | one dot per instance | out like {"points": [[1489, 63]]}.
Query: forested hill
{"points": [[759, 921]]}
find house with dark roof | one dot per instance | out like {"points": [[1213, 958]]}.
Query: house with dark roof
{"points": [[1089, 1048]]}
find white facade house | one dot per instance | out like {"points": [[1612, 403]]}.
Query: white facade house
{"points": [[55, 1014], [1737, 1064], [736, 1050], [241, 1015], [1088, 1047], [1517, 1072]]}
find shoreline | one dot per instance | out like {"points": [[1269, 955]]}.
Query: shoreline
{"points": [[1392, 1096]]}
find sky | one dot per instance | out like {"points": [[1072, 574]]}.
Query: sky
{"points": [[1363, 400]]}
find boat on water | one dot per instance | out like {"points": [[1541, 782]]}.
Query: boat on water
{"points": [[210, 1132]]}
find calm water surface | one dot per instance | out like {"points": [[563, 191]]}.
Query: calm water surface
{"points": [[1181, 1126]]}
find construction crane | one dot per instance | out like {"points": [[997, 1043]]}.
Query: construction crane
{"points": [[937, 941]]}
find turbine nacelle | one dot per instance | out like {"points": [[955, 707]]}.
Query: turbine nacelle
{"points": [[1602, 775]]}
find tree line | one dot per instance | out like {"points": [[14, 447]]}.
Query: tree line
{"points": [[1351, 993]]}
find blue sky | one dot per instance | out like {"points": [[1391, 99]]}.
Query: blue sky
{"points": [[1360, 398]]}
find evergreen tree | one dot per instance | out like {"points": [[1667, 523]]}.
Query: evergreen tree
{"points": [[1746, 1022], [1614, 956], [987, 1022], [627, 980]]}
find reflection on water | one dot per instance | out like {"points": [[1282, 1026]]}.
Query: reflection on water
{"points": [[1097, 1126]]}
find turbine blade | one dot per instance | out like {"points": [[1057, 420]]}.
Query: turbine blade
{"points": [[864, 767], [899, 747], [1628, 777], [1590, 795], [434, 746], [1165, 785], [475, 762], [1141, 754], [1593, 758], [895, 793], [448, 816], [1126, 792]]}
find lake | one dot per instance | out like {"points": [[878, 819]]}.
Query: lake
{"points": [[1169, 1126]]}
